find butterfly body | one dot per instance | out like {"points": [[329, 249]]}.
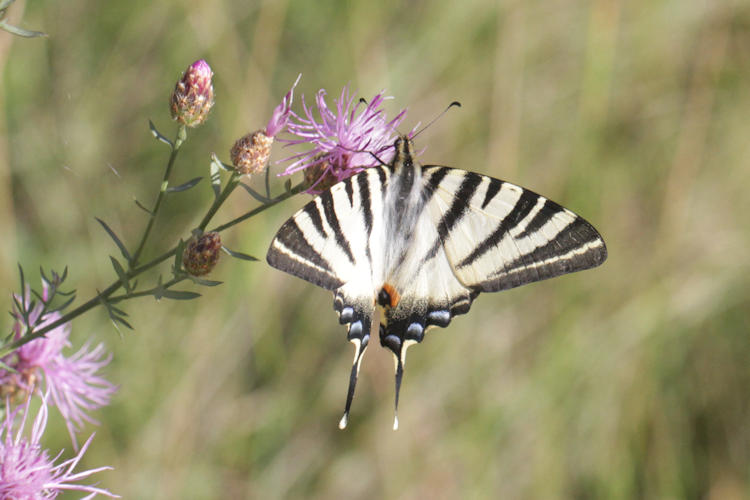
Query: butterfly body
{"points": [[422, 242]]}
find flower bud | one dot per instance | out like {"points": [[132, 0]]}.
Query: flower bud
{"points": [[193, 96], [201, 253], [251, 152]]}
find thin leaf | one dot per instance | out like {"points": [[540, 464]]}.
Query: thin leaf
{"points": [[120, 320], [214, 171], [255, 194], [185, 186], [158, 134], [239, 255], [268, 182], [64, 304], [117, 241], [221, 164], [66, 294], [140, 205], [23, 279], [180, 294], [121, 273], [200, 281], [64, 274], [15, 30]]}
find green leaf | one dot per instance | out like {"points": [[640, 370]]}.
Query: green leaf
{"points": [[177, 258], [214, 170], [121, 273], [15, 30], [117, 319], [117, 241], [64, 305], [23, 279], [200, 281], [255, 194], [185, 186], [158, 134], [180, 294], [268, 182], [288, 186], [224, 166], [239, 255], [140, 205]]}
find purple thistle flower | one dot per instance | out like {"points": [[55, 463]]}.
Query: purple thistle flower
{"points": [[27, 471], [345, 139], [73, 382]]}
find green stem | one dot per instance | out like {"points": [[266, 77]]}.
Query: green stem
{"points": [[286, 195], [181, 136], [135, 271], [232, 183]]}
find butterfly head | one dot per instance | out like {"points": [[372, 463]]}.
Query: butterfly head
{"points": [[403, 151]]}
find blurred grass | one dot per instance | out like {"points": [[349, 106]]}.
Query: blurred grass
{"points": [[627, 381]]}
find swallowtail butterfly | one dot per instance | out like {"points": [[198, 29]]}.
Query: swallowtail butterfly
{"points": [[422, 242]]}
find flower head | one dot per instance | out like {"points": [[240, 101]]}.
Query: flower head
{"points": [[250, 152], [202, 253], [26, 469], [193, 95], [74, 383], [345, 140]]}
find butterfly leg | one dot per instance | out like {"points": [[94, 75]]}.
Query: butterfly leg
{"points": [[359, 335]]}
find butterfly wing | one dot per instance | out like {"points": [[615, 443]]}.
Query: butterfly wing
{"points": [[497, 235], [335, 242]]}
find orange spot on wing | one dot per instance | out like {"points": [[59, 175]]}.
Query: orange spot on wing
{"points": [[392, 293]]}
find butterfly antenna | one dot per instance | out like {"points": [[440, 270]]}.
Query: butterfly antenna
{"points": [[451, 105]]}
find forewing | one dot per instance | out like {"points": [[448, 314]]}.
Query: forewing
{"points": [[497, 235]]}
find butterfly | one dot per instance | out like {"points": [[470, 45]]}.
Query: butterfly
{"points": [[421, 242]]}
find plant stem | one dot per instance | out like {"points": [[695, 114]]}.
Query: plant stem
{"points": [[295, 190], [135, 271], [181, 136], [232, 183]]}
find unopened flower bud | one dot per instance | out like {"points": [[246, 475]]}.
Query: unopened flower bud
{"points": [[193, 96], [201, 253], [251, 152]]}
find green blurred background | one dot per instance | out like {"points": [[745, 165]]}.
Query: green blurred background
{"points": [[628, 381]]}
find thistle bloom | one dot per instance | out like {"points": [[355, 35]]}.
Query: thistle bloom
{"points": [[251, 152], [193, 95], [345, 141], [73, 382], [27, 471], [202, 253]]}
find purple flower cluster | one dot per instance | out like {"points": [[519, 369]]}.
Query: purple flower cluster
{"points": [[71, 383], [345, 139], [74, 383], [26, 469]]}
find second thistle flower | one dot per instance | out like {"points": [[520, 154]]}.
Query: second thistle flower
{"points": [[193, 96]]}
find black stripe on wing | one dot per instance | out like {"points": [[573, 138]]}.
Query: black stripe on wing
{"points": [[326, 198], [291, 252], [521, 209]]}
